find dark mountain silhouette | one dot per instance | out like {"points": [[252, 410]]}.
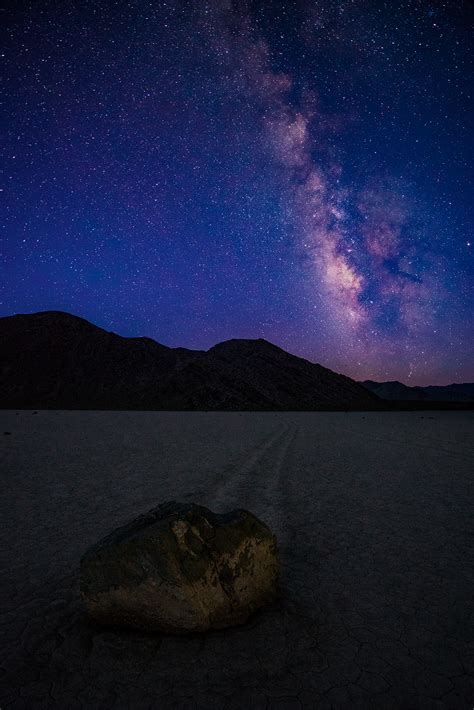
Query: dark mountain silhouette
{"points": [[433, 393], [57, 360], [393, 390]]}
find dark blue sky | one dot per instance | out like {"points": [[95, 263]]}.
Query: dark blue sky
{"points": [[299, 171]]}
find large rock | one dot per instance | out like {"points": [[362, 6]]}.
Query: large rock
{"points": [[181, 568]]}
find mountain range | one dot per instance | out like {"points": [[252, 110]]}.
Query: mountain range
{"points": [[57, 360], [395, 390]]}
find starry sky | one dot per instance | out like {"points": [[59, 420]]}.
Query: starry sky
{"points": [[197, 171]]}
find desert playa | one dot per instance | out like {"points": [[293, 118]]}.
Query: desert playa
{"points": [[373, 515]]}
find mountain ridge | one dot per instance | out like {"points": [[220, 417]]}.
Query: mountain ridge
{"points": [[394, 390], [53, 359]]}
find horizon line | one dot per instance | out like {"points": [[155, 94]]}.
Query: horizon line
{"points": [[198, 350]]}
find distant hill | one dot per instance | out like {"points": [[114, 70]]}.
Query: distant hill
{"points": [[433, 393], [57, 360]]}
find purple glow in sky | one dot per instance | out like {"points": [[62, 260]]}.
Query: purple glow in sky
{"points": [[200, 171]]}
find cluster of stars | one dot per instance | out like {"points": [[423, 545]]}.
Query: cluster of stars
{"points": [[294, 171]]}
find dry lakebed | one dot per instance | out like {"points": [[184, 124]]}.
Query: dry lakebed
{"points": [[373, 513]]}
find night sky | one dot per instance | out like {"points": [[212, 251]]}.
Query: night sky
{"points": [[198, 171]]}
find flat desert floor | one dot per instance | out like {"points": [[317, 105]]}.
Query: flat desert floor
{"points": [[374, 514]]}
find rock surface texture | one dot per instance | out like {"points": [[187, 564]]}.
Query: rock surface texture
{"points": [[181, 568]]}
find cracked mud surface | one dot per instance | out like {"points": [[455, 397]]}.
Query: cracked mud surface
{"points": [[373, 514]]}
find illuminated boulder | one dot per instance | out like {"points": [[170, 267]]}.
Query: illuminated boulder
{"points": [[181, 568]]}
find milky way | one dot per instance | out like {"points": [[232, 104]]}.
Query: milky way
{"points": [[294, 171]]}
